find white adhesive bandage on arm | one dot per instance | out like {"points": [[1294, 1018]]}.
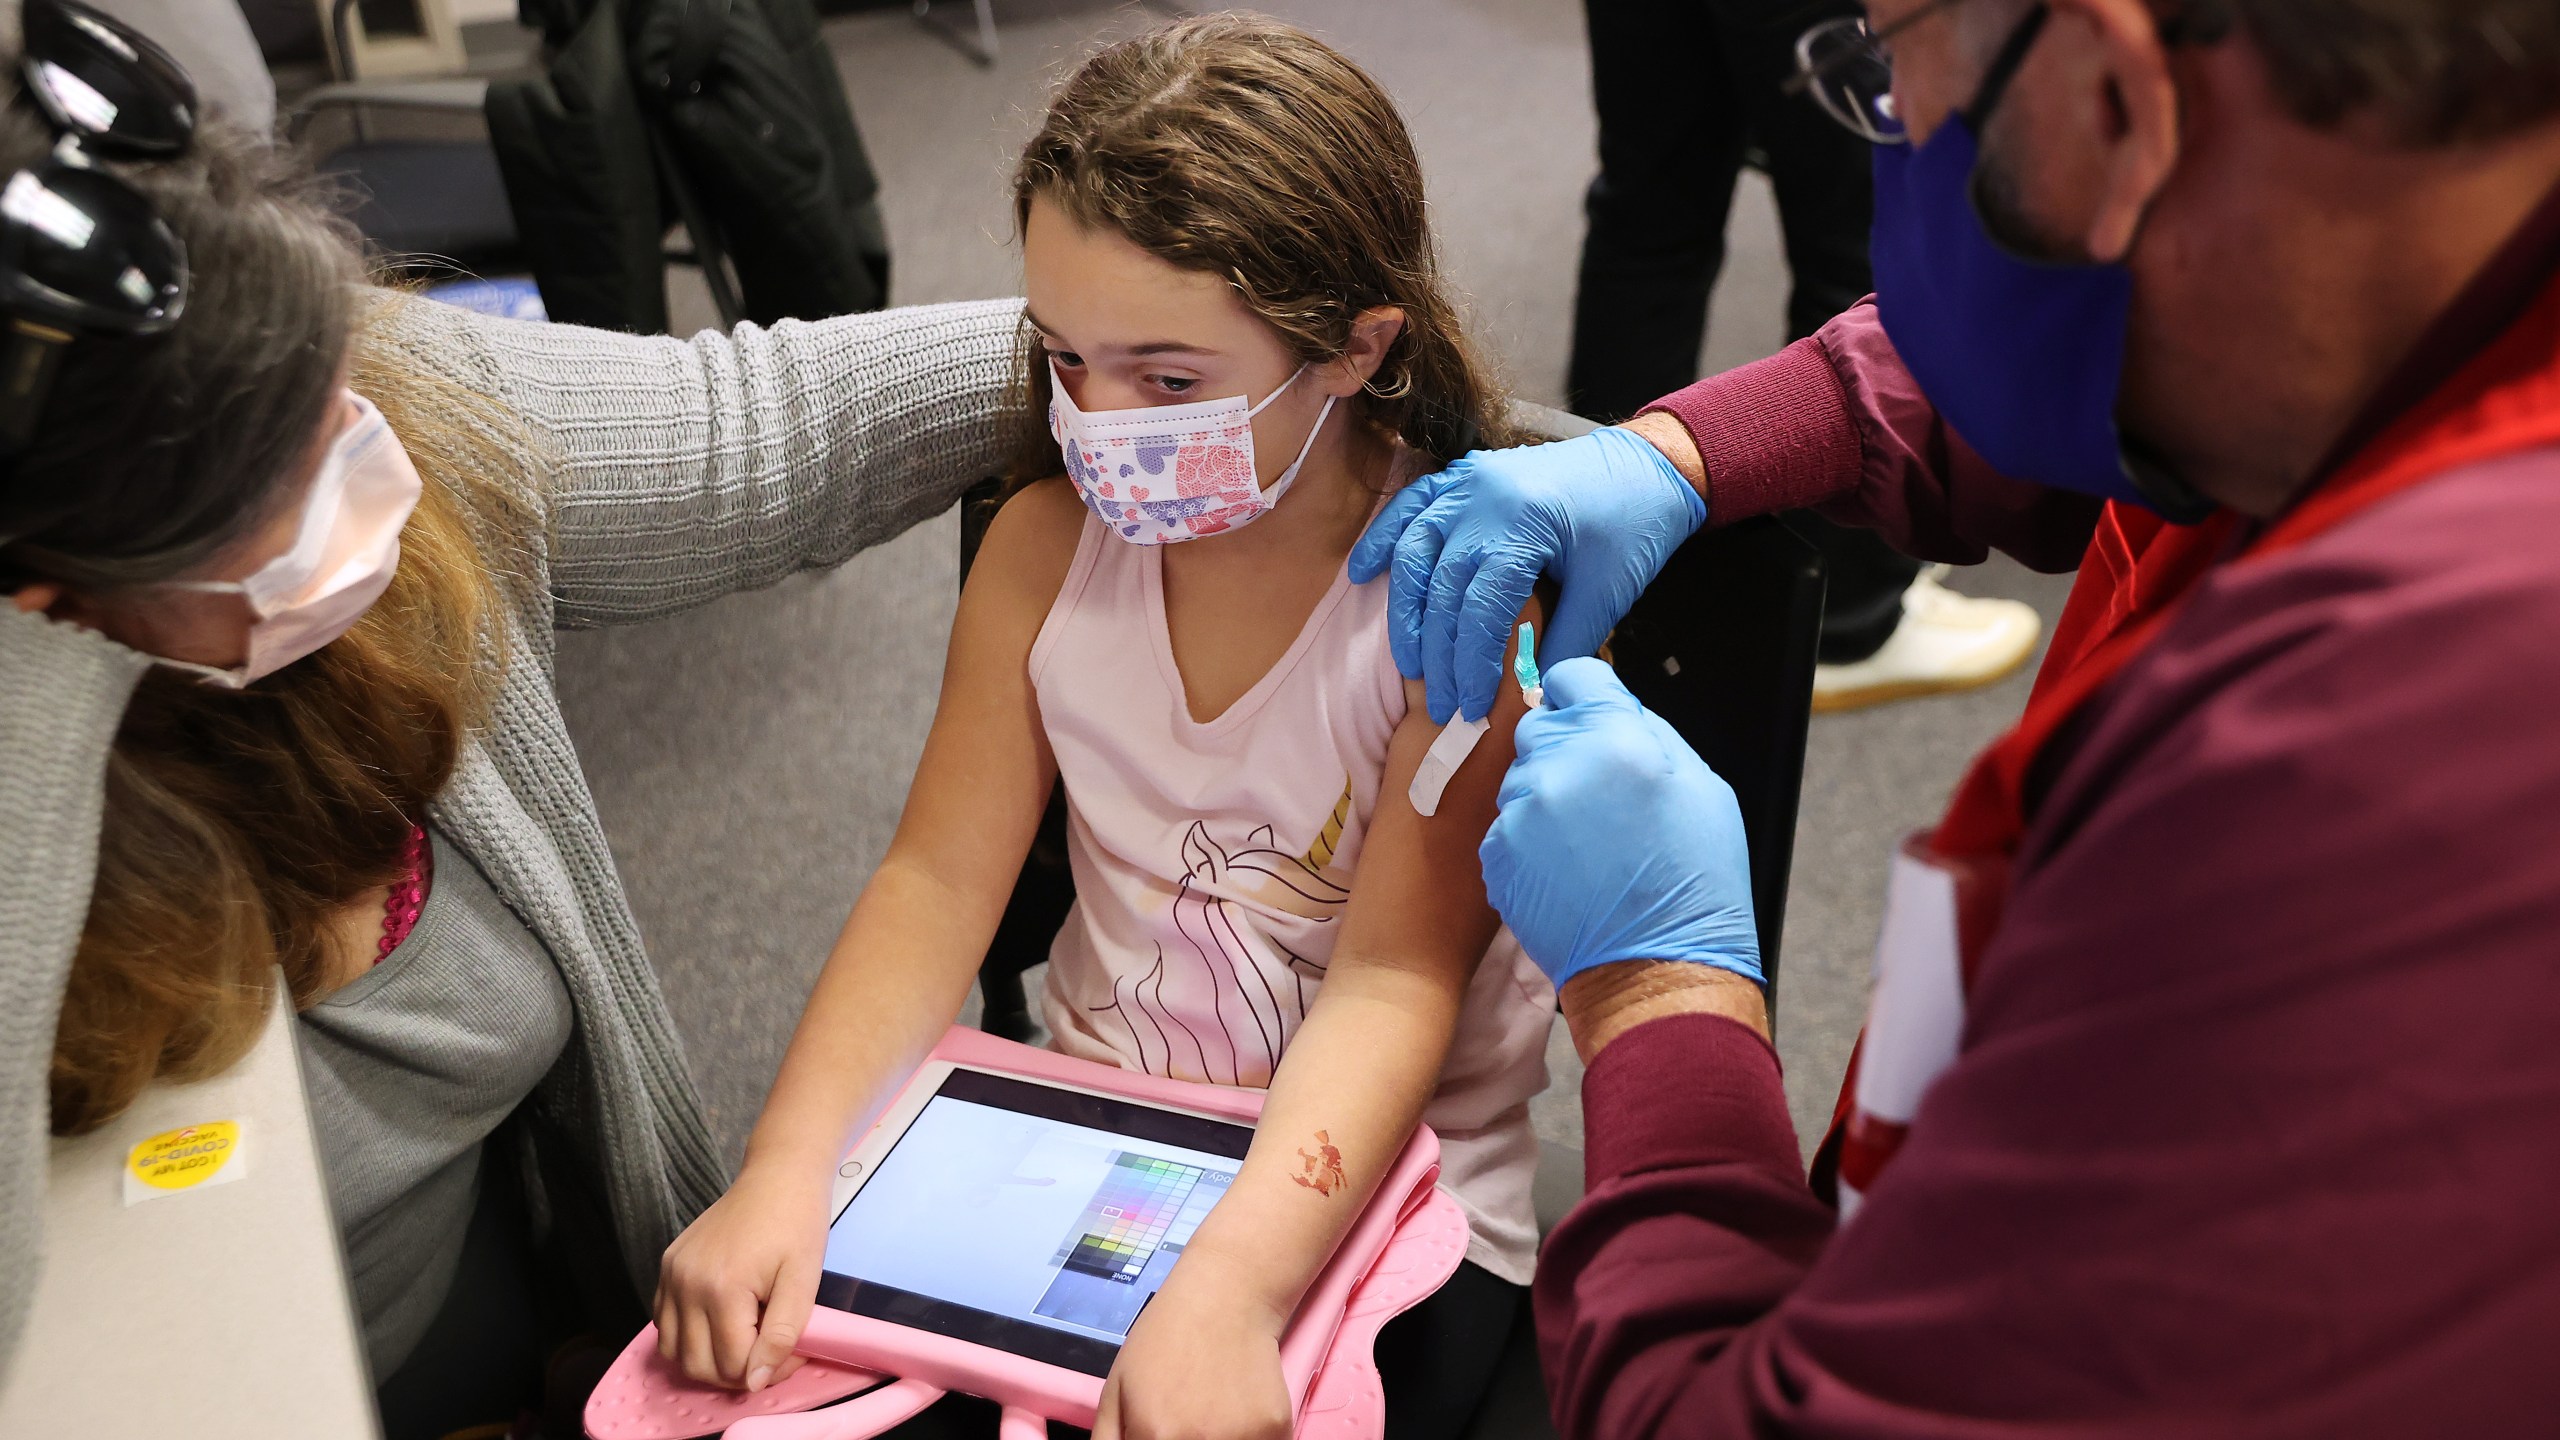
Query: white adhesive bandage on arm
{"points": [[1457, 739]]}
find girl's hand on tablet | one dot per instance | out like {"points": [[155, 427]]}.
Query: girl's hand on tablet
{"points": [[734, 1290], [1198, 1366]]}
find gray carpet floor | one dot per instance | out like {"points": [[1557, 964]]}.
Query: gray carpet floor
{"points": [[750, 758]]}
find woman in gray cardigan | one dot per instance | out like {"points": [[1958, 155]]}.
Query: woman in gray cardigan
{"points": [[397, 820]]}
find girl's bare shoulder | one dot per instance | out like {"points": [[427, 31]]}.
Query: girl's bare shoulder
{"points": [[1031, 543]]}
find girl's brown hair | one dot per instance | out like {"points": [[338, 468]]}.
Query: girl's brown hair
{"points": [[237, 823], [1246, 148]]}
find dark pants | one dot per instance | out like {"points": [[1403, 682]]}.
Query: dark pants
{"points": [[1684, 89], [1436, 1361], [525, 1330], [481, 1360]]}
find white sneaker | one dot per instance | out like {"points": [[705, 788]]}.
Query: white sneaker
{"points": [[1946, 641]]}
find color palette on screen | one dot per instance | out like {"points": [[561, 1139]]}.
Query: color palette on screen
{"points": [[1128, 1216]]}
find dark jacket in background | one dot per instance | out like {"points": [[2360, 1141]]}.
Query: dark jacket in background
{"points": [[727, 114]]}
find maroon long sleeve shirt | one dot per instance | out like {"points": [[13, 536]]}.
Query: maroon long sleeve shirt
{"points": [[2255, 1127]]}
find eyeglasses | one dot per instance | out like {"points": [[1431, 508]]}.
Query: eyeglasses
{"points": [[82, 250], [1845, 67]]}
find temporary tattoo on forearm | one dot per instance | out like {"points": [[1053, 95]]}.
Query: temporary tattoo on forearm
{"points": [[1320, 1170]]}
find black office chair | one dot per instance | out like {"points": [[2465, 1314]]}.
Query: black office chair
{"points": [[1721, 645], [412, 149], [415, 157]]}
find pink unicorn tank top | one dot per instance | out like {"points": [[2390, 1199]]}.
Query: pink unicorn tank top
{"points": [[1213, 864]]}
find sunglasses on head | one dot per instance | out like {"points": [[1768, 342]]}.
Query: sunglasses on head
{"points": [[81, 250]]}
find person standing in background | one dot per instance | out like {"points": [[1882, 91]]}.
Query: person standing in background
{"points": [[1685, 90]]}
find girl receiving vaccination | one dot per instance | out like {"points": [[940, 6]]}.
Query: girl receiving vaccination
{"points": [[1244, 347]]}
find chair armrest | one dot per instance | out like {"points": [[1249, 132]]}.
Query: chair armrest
{"points": [[1549, 423], [459, 96], [454, 94]]}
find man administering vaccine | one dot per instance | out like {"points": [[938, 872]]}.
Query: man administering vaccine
{"points": [[2210, 1081]]}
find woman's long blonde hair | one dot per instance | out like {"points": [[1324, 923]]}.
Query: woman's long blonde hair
{"points": [[1243, 147], [238, 823]]}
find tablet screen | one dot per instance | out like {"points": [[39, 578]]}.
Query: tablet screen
{"points": [[1029, 1218]]}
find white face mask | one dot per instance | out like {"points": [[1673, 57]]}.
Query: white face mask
{"points": [[341, 559], [1161, 473]]}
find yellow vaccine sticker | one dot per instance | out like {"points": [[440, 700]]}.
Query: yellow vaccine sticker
{"points": [[183, 1159]]}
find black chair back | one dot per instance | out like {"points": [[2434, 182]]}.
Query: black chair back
{"points": [[1046, 889], [1721, 645]]}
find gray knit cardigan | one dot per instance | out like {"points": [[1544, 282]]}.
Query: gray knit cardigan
{"points": [[666, 473]]}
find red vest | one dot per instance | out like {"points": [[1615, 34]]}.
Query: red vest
{"points": [[1950, 884]]}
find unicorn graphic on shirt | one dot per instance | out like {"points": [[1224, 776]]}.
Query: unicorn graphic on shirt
{"points": [[1253, 990]]}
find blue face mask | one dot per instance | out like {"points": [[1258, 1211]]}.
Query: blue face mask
{"points": [[2022, 357]]}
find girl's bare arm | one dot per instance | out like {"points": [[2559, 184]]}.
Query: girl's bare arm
{"points": [[1352, 1086], [737, 1286], [910, 950]]}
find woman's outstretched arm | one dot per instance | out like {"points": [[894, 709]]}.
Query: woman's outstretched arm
{"points": [[679, 471]]}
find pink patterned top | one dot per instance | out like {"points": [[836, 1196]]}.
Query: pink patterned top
{"points": [[1213, 863]]}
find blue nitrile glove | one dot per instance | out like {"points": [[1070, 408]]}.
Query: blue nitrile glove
{"points": [[1600, 512], [1615, 841]]}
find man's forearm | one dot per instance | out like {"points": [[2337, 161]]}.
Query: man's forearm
{"points": [[1607, 1001], [1696, 1220], [1835, 421], [1664, 432]]}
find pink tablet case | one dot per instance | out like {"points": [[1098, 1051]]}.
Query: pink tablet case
{"points": [[1403, 1247]]}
